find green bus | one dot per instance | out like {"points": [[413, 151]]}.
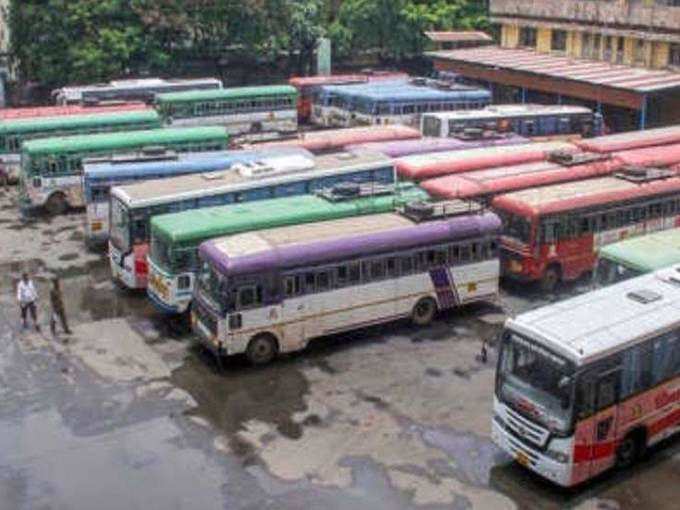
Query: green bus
{"points": [[637, 255], [14, 132], [175, 238], [262, 113], [51, 168]]}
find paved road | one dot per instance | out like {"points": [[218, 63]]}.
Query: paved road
{"points": [[129, 414]]}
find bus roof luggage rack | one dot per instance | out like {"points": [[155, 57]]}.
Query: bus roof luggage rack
{"points": [[566, 158], [471, 134], [635, 173], [644, 296], [425, 211], [351, 190]]}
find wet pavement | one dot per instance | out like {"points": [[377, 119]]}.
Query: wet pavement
{"points": [[129, 413]]}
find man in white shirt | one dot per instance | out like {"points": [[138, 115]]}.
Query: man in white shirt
{"points": [[27, 297]]}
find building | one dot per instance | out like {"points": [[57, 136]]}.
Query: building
{"points": [[5, 69], [459, 39], [619, 56]]}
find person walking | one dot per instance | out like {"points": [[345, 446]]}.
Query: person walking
{"points": [[58, 310], [27, 297]]}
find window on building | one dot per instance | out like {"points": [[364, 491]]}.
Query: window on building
{"points": [[674, 55], [640, 51], [591, 45], [527, 37], [559, 40]]}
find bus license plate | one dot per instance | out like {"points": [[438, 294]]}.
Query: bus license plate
{"points": [[522, 459]]}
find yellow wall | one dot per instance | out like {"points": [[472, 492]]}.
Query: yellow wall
{"points": [[629, 51], [543, 39], [510, 36], [661, 54], [574, 49]]}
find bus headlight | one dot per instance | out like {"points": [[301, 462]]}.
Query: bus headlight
{"points": [[560, 457]]}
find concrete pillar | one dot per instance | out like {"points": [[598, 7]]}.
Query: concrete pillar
{"points": [[543, 40]]}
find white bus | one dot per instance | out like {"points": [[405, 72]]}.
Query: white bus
{"points": [[132, 206], [531, 120], [589, 383], [269, 292]]}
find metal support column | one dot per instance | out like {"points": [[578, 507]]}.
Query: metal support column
{"points": [[559, 98], [643, 113], [524, 95]]}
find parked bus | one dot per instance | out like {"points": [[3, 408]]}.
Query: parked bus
{"points": [[398, 102], [592, 382], [144, 90], [523, 119], [427, 166], [402, 148], [133, 206], [335, 140], [637, 256], [269, 292], [173, 259], [15, 132], [101, 174], [483, 185], [308, 86], [58, 111], [261, 112], [553, 233], [632, 140], [51, 168]]}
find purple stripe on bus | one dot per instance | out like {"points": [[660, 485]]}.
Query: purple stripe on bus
{"points": [[397, 149], [312, 253]]}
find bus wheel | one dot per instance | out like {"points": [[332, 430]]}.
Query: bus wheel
{"points": [[56, 204], [630, 450], [551, 278], [262, 349], [423, 312]]}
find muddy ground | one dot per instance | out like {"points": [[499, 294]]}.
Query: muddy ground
{"points": [[129, 414]]}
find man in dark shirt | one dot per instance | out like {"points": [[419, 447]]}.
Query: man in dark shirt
{"points": [[58, 311]]}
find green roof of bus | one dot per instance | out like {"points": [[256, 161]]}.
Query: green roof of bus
{"points": [[230, 93], [76, 121], [201, 224], [123, 139], [646, 253]]}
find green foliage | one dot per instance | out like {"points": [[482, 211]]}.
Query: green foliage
{"points": [[54, 42]]}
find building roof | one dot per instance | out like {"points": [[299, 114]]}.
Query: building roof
{"points": [[458, 36], [532, 64]]}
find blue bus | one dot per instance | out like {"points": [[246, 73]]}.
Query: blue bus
{"points": [[101, 174], [392, 102]]}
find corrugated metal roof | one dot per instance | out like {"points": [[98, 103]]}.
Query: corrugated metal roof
{"points": [[593, 72], [459, 36]]}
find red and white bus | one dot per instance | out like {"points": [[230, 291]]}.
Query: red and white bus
{"points": [[335, 140], [308, 86], [485, 184], [631, 140], [552, 233], [590, 383], [427, 166], [57, 111]]}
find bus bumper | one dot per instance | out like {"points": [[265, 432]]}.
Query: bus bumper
{"points": [[162, 306], [558, 473]]}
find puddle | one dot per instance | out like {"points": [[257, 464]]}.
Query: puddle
{"points": [[229, 399]]}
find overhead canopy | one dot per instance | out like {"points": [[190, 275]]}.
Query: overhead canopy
{"points": [[586, 79]]}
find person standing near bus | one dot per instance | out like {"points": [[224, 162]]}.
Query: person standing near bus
{"points": [[27, 297], [58, 310]]}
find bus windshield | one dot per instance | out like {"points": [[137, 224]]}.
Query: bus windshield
{"points": [[537, 382], [432, 126], [609, 272], [211, 285], [160, 253], [516, 227], [120, 225], [170, 257]]}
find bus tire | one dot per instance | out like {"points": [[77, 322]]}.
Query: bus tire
{"points": [[56, 204], [262, 349], [424, 311], [631, 449], [551, 278]]}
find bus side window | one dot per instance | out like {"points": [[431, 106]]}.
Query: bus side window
{"points": [[323, 280], [354, 273], [608, 389], [407, 265], [249, 296], [310, 283], [392, 267]]}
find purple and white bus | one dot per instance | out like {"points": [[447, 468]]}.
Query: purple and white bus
{"points": [[401, 148], [271, 291]]}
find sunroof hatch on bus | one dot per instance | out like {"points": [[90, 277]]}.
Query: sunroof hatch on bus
{"points": [[424, 211], [566, 158], [644, 296], [634, 173]]}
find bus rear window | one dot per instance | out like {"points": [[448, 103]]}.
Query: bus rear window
{"points": [[431, 126]]}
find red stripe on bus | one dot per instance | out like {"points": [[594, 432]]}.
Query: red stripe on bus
{"points": [[671, 420], [584, 453]]}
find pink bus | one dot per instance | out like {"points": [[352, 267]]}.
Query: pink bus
{"points": [[590, 383]]}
